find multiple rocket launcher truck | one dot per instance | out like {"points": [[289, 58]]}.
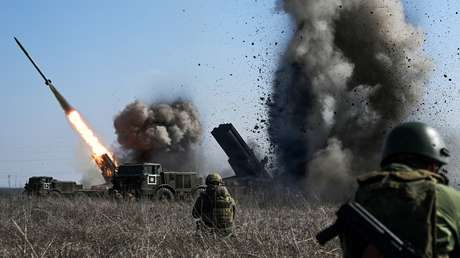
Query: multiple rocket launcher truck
{"points": [[134, 180], [143, 180], [149, 180]]}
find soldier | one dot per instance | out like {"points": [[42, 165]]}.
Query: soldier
{"points": [[410, 195], [214, 209]]}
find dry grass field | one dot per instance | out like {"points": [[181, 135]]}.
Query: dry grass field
{"points": [[83, 227]]}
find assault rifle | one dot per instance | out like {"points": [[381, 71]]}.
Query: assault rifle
{"points": [[354, 218]]}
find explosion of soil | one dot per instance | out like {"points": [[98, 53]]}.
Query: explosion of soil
{"points": [[352, 70]]}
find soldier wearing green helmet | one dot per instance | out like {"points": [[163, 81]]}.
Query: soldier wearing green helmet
{"points": [[410, 195], [214, 179], [214, 209]]}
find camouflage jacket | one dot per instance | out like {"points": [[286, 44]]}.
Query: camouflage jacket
{"points": [[215, 209], [416, 205]]}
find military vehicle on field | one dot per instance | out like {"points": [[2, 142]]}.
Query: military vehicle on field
{"points": [[241, 157], [137, 180], [148, 180], [48, 186]]}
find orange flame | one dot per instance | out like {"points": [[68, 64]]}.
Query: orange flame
{"points": [[88, 136], [96, 146]]}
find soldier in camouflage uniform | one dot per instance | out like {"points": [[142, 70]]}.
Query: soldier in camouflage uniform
{"points": [[410, 195], [214, 209]]}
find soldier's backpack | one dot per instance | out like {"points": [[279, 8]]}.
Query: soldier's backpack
{"points": [[404, 201], [219, 208]]}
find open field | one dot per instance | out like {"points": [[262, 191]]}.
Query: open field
{"points": [[83, 227]]}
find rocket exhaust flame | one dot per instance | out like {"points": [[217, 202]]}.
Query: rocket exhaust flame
{"points": [[86, 133], [100, 154]]}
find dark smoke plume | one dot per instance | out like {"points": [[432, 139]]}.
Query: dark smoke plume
{"points": [[164, 133], [352, 70]]}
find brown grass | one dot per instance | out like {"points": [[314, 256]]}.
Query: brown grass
{"points": [[83, 227]]}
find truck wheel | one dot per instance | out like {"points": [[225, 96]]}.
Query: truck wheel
{"points": [[196, 193], [130, 197], [164, 194], [116, 195], [81, 196], [55, 194]]}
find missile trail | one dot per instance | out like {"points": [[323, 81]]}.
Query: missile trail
{"points": [[62, 101], [100, 154]]}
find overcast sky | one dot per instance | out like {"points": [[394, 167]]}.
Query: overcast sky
{"points": [[103, 55]]}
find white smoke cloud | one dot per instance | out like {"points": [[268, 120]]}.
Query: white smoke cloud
{"points": [[91, 175]]}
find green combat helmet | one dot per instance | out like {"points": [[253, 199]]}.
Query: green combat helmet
{"points": [[418, 139], [214, 179]]}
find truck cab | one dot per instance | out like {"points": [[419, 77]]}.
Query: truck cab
{"points": [[44, 185], [38, 185], [149, 180]]}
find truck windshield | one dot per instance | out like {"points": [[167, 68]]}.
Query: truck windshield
{"points": [[37, 180], [130, 170]]}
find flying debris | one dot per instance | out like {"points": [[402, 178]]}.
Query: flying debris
{"points": [[351, 71]]}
